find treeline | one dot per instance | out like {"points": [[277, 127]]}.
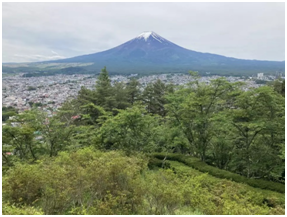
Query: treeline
{"points": [[220, 123]]}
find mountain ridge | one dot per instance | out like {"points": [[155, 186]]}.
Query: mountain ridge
{"points": [[152, 53]]}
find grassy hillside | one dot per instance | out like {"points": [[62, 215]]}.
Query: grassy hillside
{"points": [[228, 197], [203, 167], [91, 182]]}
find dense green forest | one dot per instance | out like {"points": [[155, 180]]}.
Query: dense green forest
{"points": [[213, 148]]}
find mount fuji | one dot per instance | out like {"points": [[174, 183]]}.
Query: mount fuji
{"points": [[149, 52]]}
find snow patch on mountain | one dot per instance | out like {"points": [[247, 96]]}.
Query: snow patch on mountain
{"points": [[156, 38], [147, 35]]}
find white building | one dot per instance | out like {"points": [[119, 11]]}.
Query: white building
{"points": [[260, 75]]}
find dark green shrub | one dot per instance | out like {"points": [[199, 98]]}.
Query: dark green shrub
{"points": [[219, 173], [157, 163]]}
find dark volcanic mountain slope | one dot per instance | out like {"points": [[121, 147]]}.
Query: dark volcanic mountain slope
{"points": [[150, 52]]}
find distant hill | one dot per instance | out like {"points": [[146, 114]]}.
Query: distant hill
{"points": [[151, 53]]}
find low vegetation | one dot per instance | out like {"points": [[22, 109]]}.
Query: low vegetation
{"points": [[92, 182], [117, 149], [219, 173]]}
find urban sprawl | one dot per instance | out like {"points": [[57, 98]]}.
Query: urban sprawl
{"points": [[50, 92]]}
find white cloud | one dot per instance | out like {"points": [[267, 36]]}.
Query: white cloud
{"points": [[242, 30], [38, 57], [53, 52]]}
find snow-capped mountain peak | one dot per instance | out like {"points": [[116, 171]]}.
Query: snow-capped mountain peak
{"points": [[149, 52], [150, 34], [145, 35]]}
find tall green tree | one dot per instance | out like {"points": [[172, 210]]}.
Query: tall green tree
{"points": [[193, 110], [104, 96], [133, 91], [19, 140], [154, 97], [8, 112], [131, 130], [222, 147], [55, 134], [120, 93], [258, 121], [278, 85]]}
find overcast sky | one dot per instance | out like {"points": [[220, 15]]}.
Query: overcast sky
{"points": [[45, 31]]}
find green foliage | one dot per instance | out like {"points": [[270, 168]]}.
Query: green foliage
{"points": [[90, 182], [37, 104], [133, 91], [35, 134], [228, 197], [235, 136], [223, 174], [132, 129], [31, 88], [8, 209], [163, 193], [23, 184], [8, 112], [193, 112], [258, 123], [278, 85], [121, 96], [18, 140], [154, 97], [103, 100], [240, 131], [157, 163], [104, 94], [193, 74], [103, 183], [260, 81]]}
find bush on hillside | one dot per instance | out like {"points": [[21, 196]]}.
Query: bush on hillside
{"points": [[223, 174], [8, 209], [82, 179], [157, 163]]}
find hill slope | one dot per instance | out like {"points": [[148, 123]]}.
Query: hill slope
{"points": [[91, 182]]}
